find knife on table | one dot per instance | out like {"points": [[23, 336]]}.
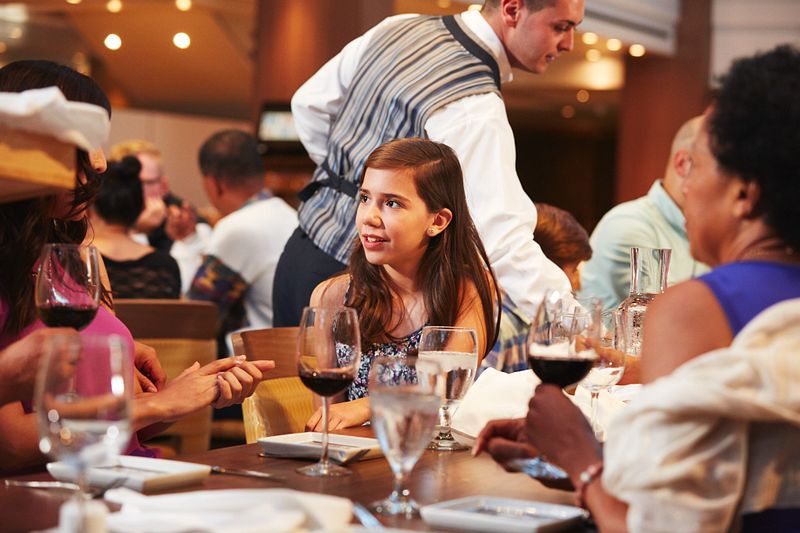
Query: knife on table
{"points": [[245, 473]]}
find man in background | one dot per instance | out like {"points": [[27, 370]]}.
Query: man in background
{"points": [[238, 268], [434, 77], [652, 221], [169, 223]]}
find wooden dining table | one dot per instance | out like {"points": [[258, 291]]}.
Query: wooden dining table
{"points": [[437, 477]]}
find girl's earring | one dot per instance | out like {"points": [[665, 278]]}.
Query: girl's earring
{"points": [[431, 232]]}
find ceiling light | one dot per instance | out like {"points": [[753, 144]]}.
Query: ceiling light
{"points": [[589, 38], [474, 7], [614, 44], [183, 5], [112, 41], [74, 2], [114, 6], [593, 55], [181, 40], [567, 111], [582, 96], [637, 50]]}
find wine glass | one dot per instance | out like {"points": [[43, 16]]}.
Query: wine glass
{"points": [[561, 351], [455, 349], [328, 355], [609, 365], [562, 339], [404, 401], [83, 404], [68, 285]]}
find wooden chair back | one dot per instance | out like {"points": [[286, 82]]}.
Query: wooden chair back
{"points": [[182, 332], [281, 403]]}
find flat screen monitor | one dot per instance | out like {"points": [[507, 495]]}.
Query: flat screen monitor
{"points": [[276, 131]]}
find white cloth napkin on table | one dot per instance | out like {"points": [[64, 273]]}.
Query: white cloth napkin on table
{"points": [[496, 395], [232, 510]]}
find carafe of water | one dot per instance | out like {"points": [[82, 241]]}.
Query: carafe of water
{"points": [[649, 267]]}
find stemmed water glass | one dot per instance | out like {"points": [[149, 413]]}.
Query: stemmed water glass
{"points": [[68, 285], [609, 365], [455, 349], [83, 404], [328, 355], [404, 402]]}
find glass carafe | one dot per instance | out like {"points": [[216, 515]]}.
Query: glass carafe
{"points": [[649, 267]]}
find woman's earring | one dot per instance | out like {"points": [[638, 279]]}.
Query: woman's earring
{"points": [[431, 232]]}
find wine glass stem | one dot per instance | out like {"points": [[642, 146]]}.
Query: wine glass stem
{"points": [[82, 496], [399, 492], [324, 458], [594, 405], [444, 420]]}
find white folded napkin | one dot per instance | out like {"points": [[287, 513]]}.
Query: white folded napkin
{"points": [[234, 510], [496, 395], [46, 111]]}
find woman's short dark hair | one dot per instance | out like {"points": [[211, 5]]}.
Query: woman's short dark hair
{"points": [[754, 133], [120, 199]]}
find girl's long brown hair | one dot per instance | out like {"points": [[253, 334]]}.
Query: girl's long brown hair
{"points": [[454, 258], [26, 226]]}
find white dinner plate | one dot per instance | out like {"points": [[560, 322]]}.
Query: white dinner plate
{"points": [[341, 448], [144, 474], [490, 514]]}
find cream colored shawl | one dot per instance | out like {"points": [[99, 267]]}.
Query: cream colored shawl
{"points": [[717, 438]]}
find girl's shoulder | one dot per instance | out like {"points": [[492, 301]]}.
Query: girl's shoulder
{"points": [[331, 292]]}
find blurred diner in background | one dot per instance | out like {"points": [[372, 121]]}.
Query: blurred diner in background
{"points": [[386, 191]]}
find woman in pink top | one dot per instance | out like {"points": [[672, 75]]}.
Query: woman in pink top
{"points": [[25, 226]]}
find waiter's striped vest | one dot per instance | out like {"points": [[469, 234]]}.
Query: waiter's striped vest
{"points": [[410, 69]]}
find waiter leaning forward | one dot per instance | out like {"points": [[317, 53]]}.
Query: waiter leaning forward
{"points": [[434, 77]]}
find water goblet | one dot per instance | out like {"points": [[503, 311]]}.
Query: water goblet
{"points": [[328, 355], [404, 404], [83, 405], [455, 349], [68, 285], [609, 365]]}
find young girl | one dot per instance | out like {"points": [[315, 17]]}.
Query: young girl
{"points": [[417, 260]]}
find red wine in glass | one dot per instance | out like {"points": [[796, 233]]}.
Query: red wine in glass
{"points": [[561, 371], [68, 285], [77, 317], [326, 382]]}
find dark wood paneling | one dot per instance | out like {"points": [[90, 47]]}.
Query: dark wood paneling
{"points": [[660, 94]]}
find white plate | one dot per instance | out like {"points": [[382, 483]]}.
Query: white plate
{"points": [[144, 474], [341, 448], [486, 513]]}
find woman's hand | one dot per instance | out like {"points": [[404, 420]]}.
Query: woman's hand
{"points": [[559, 430], [341, 415], [240, 381], [504, 440], [20, 361], [148, 369]]}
